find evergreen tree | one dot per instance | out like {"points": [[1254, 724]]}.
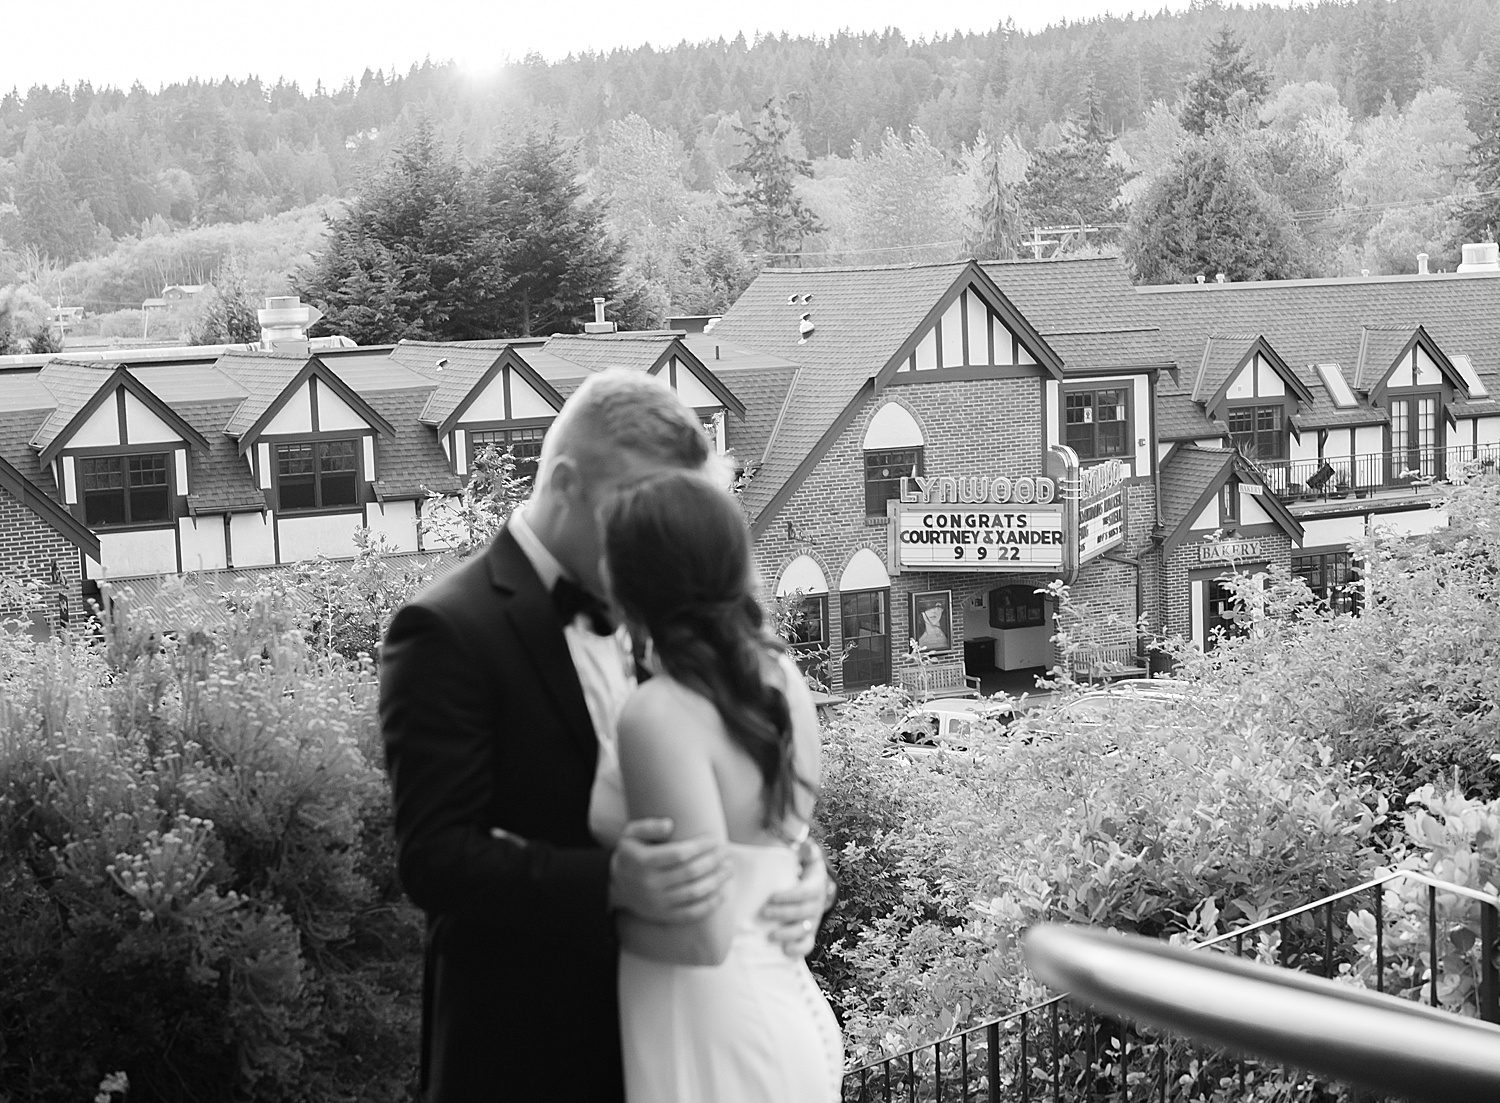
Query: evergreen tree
{"points": [[557, 255], [1479, 217], [993, 227], [1227, 89], [417, 254], [776, 220], [1074, 183], [1206, 216], [229, 314]]}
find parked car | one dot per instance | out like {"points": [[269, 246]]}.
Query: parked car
{"points": [[1127, 706], [953, 723]]}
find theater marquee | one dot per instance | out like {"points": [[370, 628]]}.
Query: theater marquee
{"points": [[1037, 524], [967, 523]]}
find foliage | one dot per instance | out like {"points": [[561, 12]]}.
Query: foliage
{"points": [[465, 522], [555, 254], [944, 860], [1227, 90], [417, 255], [1479, 219], [347, 606], [1206, 216], [195, 870], [1073, 183], [228, 314], [776, 219], [992, 225], [901, 201], [23, 321]]}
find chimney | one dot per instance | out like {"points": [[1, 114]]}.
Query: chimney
{"points": [[1481, 256], [598, 325], [1421, 264], [284, 322]]}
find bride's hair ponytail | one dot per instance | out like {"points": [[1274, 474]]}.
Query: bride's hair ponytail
{"points": [[677, 550]]}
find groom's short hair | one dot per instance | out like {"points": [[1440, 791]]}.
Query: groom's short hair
{"points": [[619, 411]]}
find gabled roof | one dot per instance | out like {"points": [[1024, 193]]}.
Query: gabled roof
{"points": [[644, 351], [220, 478], [460, 373], [28, 480], [1178, 417], [79, 389], [1224, 355], [1192, 474], [271, 380], [1371, 374], [1312, 321], [866, 322]]}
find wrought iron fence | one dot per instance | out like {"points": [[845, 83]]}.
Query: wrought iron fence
{"points": [[1361, 475], [1415, 936]]}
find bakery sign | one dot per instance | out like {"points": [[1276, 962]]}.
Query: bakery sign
{"points": [[1231, 552], [977, 523]]}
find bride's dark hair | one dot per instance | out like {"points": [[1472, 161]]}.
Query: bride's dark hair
{"points": [[677, 550]]}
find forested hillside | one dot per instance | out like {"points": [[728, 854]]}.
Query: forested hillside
{"points": [[1357, 122]]}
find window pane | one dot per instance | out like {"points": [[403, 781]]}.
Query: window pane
{"points": [[147, 470], [339, 489], [1110, 406], [103, 507], [101, 473], [296, 492], [149, 503], [294, 459], [884, 471], [1111, 438], [337, 455]]}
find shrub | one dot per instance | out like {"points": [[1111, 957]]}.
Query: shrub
{"points": [[1196, 821], [195, 877]]}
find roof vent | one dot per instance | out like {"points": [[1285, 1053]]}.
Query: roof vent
{"points": [[1421, 264], [791, 299], [1481, 256], [598, 325], [1201, 278], [284, 322], [805, 328], [1219, 278]]}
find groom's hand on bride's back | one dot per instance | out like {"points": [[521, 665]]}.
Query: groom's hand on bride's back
{"points": [[663, 881], [795, 913]]}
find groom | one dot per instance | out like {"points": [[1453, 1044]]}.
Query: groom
{"points": [[497, 684]]}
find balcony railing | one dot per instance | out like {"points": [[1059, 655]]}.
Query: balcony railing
{"points": [[1055, 1052], [1360, 475]]}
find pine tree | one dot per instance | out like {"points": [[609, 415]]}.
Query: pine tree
{"points": [[229, 314], [1479, 217], [1074, 183], [1227, 90], [416, 255], [1205, 216], [994, 223], [777, 221], [556, 253]]}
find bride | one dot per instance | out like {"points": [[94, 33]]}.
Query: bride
{"points": [[723, 740]]}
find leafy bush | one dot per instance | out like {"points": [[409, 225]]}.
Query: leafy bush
{"points": [[195, 872], [1195, 821]]}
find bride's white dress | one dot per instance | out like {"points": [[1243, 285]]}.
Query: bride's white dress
{"points": [[754, 1029]]}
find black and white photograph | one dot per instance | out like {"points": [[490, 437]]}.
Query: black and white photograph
{"points": [[777, 553]]}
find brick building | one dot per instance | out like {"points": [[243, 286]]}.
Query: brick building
{"points": [[920, 481]]}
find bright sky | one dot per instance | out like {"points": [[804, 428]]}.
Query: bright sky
{"points": [[110, 42]]}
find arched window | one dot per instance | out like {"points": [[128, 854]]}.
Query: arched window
{"points": [[893, 451], [865, 620], [806, 627]]}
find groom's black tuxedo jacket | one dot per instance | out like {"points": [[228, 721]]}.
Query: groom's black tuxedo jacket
{"points": [[485, 726]]}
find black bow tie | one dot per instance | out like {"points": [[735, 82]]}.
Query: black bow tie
{"points": [[571, 599]]}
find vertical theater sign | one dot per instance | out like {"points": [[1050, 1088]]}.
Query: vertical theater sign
{"points": [[1048, 523]]}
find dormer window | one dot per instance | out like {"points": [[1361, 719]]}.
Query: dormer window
{"points": [[125, 490], [320, 474], [1259, 431], [525, 445]]}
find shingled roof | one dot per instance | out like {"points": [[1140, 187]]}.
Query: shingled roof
{"points": [[1086, 309], [72, 384], [1330, 321], [411, 462], [1186, 474], [452, 369], [30, 481]]}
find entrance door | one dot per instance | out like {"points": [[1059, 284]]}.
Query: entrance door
{"points": [[1414, 429], [867, 638], [1219, 612]]}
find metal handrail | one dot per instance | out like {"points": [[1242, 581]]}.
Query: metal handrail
{"points": [[1361, 473], [1489, 983]]}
